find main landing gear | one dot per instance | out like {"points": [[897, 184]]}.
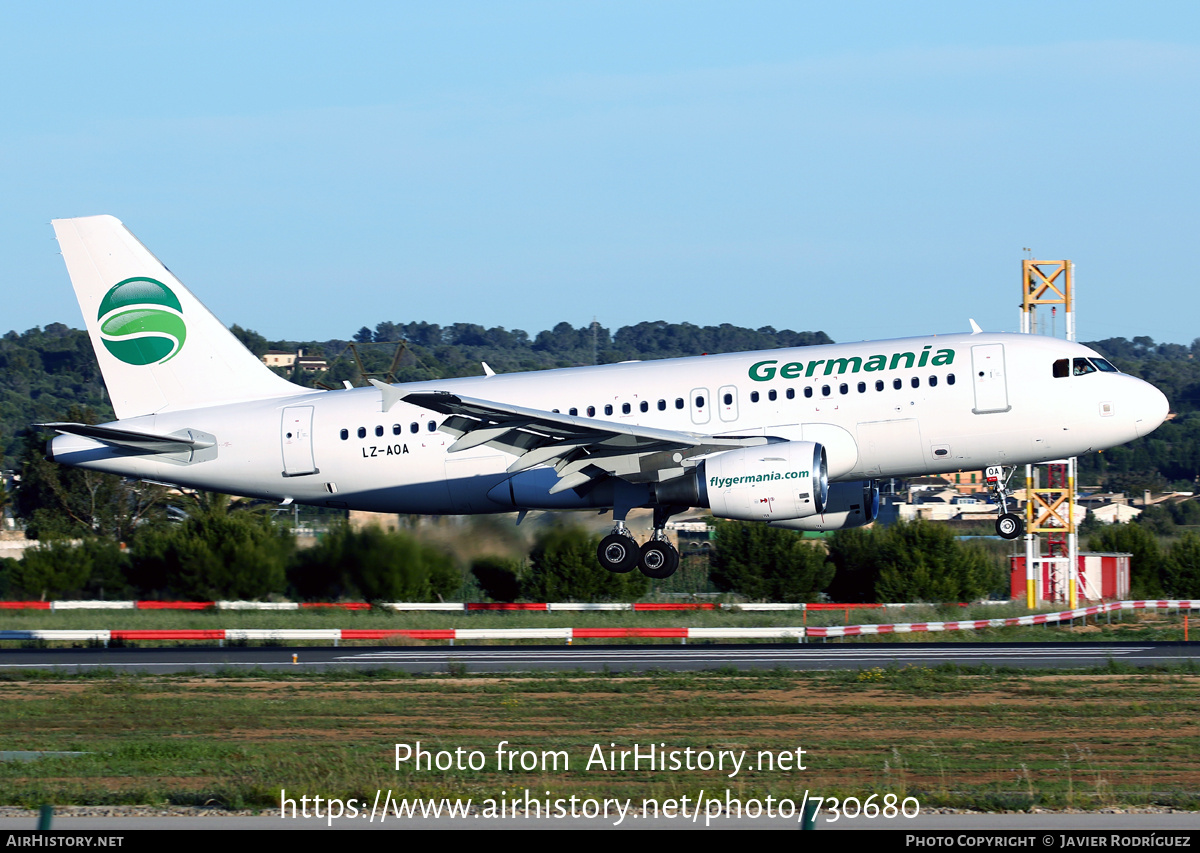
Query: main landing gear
{"points": [[1009, 525], [618, 551], [657, 559]]}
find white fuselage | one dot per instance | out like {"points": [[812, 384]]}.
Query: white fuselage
{"points": [[881, 408]]}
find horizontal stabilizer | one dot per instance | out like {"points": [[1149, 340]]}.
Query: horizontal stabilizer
{"points": [[141, 442]]}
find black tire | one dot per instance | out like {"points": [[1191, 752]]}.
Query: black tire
{"points": [[618, 553], [659, 560], [1010, 526]]}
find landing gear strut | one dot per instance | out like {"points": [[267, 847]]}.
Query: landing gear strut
{"points": [[1009, 525], [659, 557]]}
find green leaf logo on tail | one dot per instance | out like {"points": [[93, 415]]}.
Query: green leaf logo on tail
{"points": [[141, 321]]}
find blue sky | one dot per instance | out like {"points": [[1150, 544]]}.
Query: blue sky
{"points": [[868, 169]]}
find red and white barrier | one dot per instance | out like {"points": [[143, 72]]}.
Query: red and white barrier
{"points": [[336, 635]]}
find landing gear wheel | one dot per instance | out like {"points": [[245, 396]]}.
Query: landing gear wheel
{"points": [[659, 559], [618, 553], [1010, 526]]}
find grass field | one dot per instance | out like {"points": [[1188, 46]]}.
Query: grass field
{"points": [[947, 736]]}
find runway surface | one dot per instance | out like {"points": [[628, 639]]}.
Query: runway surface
{"points": [[600, 658]]}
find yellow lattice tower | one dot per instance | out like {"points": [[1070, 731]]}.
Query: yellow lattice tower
{"points": [[1047, 283], [1050, 510]]}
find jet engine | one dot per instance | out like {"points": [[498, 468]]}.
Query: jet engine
{"points": [[785, 480], [850, 505]]}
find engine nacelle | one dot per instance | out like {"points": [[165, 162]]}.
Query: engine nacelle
{"points": [[788, 479], [849, 505]]}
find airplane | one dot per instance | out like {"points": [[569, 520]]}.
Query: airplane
{"points": [[797, 438]]}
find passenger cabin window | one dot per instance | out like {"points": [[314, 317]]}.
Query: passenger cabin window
{"points": [[345, 434], [662, 405], [573, 411], [772, 395], [591, 411], [431, 426], [843, 388], [1062, 368], [949, 378], [862, 387], [825, 391], [878, 384], [700, 402], [932, 381], [396, 430], [414, 427], [897, 383], [728, 398], [679, 402], [608, 408], [916, 382], [379, 430], [645, 407], [791, 393], [808, 392], [753, 396], [362, 432]]}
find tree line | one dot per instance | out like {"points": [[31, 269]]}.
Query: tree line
{"points": [[221, 550]]}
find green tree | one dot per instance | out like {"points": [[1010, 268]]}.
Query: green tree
{"points": [[375, 565], [59, 501], [854, 556], [910, 561], [1146, 562], [563, 567], [1181, 568], [51, 570], [251, 340], [922, 561], [8, 567], [499, 578], [215, 553], [764, 562]]}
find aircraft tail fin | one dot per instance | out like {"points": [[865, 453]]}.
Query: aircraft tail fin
{"points": [[159, 348]]}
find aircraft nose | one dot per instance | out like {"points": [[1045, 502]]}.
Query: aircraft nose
{"points": [[1151, 409]]}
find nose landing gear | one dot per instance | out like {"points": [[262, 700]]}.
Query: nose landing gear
{"points": [[1009, 525]]}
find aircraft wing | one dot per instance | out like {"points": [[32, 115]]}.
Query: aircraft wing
{"points": [[579, 449]]}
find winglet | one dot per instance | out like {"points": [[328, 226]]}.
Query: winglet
{"points": [[487, 371], [975, 330]]}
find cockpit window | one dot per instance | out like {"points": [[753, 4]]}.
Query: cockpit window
{"points": [[1082, 366], [1104, 365], [1062, 368]]}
